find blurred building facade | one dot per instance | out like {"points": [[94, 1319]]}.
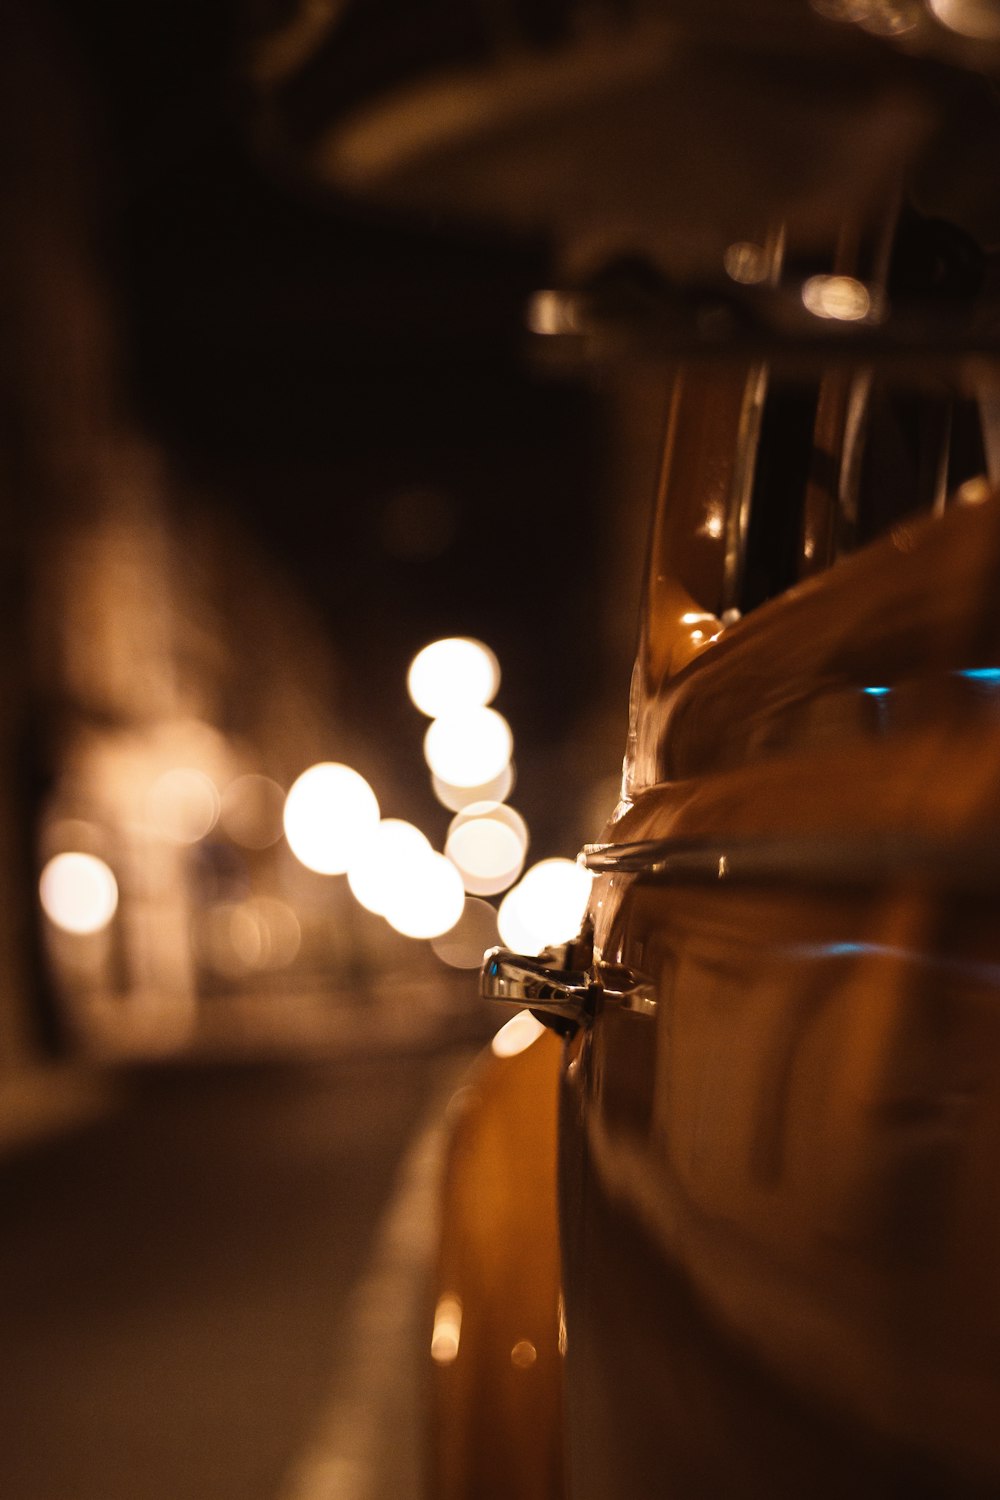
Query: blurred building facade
{"points": [[165, 683]]}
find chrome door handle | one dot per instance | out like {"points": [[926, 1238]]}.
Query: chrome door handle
{"points": [[562, 998]]}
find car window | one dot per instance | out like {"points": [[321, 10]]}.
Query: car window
{"points": [[769, 482]]}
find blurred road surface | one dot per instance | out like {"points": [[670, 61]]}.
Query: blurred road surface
{"points": [[216, 1292]]}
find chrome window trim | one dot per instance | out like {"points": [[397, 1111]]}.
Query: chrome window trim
{"points": [[814, 860]]}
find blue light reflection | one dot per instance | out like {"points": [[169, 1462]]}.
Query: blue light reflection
{"points": [[954, 968]]}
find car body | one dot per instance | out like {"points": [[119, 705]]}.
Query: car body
{"points": [[728, 1225], [778, 1083]]}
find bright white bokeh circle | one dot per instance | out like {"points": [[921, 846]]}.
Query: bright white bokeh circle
{"points": [[499, 811], [78, 893], [329, 812], [430, 902], [487, 854], [384, 862], [451, 675], [547, 907], [457, 798], [468, 748]]}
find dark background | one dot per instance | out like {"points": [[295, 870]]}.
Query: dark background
{"points": [[356, 389]]}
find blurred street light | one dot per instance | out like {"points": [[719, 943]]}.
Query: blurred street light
{"points": [[431, 902], [456, 798], [463, 946], [387, 860], [453, 674], [78, 893], [329, 813], [469, 748], [547, 907]]}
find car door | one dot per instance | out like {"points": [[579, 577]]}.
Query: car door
{"points": [[780, 1121]]}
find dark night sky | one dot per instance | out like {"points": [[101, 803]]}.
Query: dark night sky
{"points": [[343, 383]]}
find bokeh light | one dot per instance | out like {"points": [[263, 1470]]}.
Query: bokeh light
{"points": [[431, 902], [475, 931], [451, 675], [547, 906], [469, 748], [329, 813], [446, 1336], [240, 937], [183, 805], [489, 807], [231, 939], [746, 262], [281, 932], [977, 19], [385, 862], [840, 297], [455, 798], [251, 811], [487, 854], [78, 893]]}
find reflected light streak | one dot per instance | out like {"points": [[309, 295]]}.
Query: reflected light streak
{"points": [[329, 813], [447, 1333], [517, 1035], [968, 969], [78, 893], [714, 523], [451, 675]]}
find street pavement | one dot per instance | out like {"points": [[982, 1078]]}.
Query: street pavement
{"points": [[217, 1290]]}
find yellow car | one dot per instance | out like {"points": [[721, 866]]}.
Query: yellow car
{"points": [[769, 1266], [725, 1225]]}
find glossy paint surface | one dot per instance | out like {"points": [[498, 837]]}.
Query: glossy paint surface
{"points": [[780, 1221], [497, 1429]]}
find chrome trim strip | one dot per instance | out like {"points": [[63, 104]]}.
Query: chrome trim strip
{"points": [[741, 490], [837, 860]]}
